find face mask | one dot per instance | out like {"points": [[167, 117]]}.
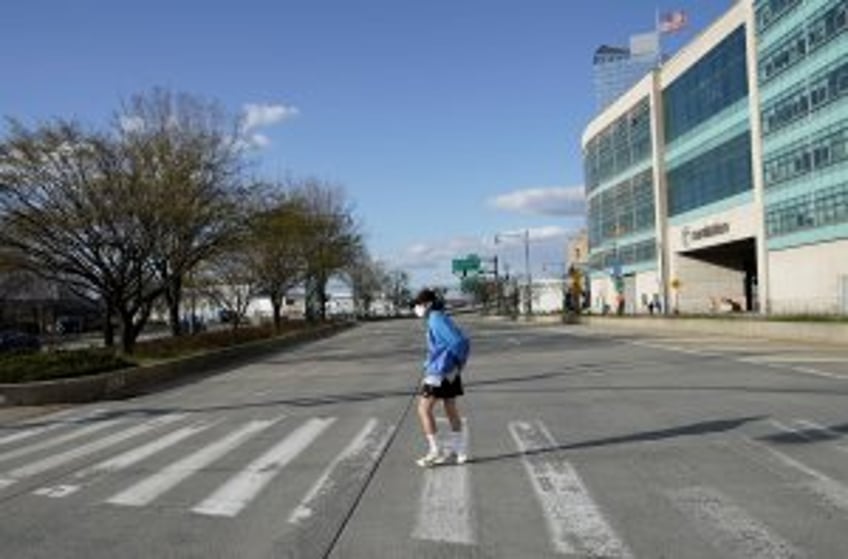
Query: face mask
{"points": [[420, 311]]}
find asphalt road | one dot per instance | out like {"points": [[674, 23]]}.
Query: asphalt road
{"points": [[584, 444]]}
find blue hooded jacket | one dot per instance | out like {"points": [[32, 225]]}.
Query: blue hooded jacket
{"points": [[447, 346]]}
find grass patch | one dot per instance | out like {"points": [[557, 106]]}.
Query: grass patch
{"points": [[58, 364]]}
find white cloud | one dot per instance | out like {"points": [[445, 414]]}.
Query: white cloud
{"points": [[536, 234], [555, 201], [436, 254], [131, 124], [258, 115], [259, 140], [432, 259]]}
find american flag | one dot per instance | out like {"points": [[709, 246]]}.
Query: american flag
{"points": [[671, 22]]}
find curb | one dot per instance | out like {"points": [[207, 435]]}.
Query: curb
{"points": [[134, 381], [832, 334]]}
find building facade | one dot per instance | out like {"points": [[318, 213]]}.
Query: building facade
{"points": [[720, 180]]}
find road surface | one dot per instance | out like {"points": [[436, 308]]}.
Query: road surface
{"points": [[584, 444]]}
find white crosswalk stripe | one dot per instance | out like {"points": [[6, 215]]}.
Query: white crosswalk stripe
{"points": [[56, 460], [242, 488], [367, 444], [147, 490], [445, 512], [56, 421], [123, 461], [61, 439], [730, 528], [822, 485], [575, 522]]}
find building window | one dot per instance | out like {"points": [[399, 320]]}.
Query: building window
{"points": [[626, 142], [829, 147], [720, 173], [712, 84], [807, 97], [624, 209], [824, 207], [624, 255], [769, 12]]}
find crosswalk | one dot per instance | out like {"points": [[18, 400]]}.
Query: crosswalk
{"points": [[89, 456]]}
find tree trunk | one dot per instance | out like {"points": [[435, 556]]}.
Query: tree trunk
{"points": [[128, 333], [108, 329], [277, 305], [309, 298], [173, 296], [322, 299]]}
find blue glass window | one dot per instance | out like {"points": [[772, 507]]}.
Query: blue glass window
{"points": [[722, 172], [626, 142], [624, 209], [715, 82]]}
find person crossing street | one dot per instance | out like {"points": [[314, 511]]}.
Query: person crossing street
{"points": [[448, 349]]}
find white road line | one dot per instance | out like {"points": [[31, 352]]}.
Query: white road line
{"points": [[817, 372], [152, 487], [674, 349], [834, 435], [242, 488], [825, 487], [61, 439], [444, 512], [56, 460], [730, 528], [122, 461], [789, 358], [367, 444], [575, 522], [788, 430], [59, 419]]}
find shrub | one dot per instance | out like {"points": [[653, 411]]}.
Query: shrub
{"points": [[168, 348], [58, 364]]}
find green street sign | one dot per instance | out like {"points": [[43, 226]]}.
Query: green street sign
{"points": [[464, 266]]}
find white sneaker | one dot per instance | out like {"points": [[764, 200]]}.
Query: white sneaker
{"points": [[453, 457], [430, 459]]}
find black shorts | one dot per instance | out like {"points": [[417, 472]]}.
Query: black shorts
{"points": [[447, 390]]}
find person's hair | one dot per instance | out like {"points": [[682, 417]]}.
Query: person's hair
{"points": [[429, 296]]}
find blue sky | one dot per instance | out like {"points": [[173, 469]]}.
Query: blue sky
{"points": [[447, 121]]}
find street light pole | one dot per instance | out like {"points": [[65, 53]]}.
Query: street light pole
{"points": [[527, 271], [529, 286]]}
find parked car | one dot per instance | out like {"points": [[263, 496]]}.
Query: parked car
{"points": [[18, 342]]}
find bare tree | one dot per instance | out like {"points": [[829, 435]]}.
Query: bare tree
{"points": [[333, 239], [229, 282], [365, 276], [74, 210], [277, 245], [397, 286], [188, 155]]}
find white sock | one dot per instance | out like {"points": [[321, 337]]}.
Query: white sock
{"points": [[458, 442], [434, 444]]}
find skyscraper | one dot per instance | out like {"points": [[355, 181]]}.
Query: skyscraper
{"points": [[617, 69]]}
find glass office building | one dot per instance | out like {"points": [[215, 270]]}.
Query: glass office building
{"points": [[617, 69], [720, 180]]}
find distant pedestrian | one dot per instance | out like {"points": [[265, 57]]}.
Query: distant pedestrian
{"points": [[447, 353]]}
